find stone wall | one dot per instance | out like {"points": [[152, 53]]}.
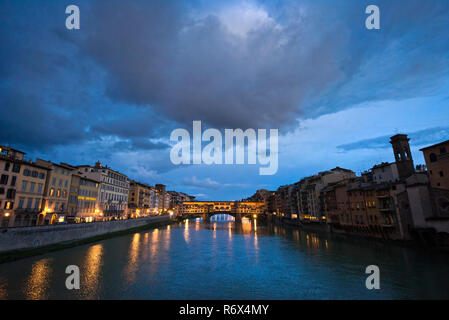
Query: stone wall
{"points": [[34, 237]]}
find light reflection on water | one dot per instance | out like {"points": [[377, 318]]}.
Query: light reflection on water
{"points": [[91, 277], [38, 280], [228, 260], [133, 259]]}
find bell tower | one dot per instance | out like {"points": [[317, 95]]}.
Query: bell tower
{"points": [[402, 155]]}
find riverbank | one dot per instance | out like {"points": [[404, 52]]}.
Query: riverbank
{"points": [[355, 236], [31, 241]]}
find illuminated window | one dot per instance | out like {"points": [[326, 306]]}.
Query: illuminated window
{"points": [[9, 205]]}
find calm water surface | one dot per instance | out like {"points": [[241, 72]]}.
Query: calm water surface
{"points": [[224, 260]]}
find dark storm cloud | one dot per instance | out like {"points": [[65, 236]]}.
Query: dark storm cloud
{"points": [[188, 69], [418, 138], [46, 129], [135, 71], [51, 94], [308, 62]]}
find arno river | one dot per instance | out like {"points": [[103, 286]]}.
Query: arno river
{"points": [[224, 260]]}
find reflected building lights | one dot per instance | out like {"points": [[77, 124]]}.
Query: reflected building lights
{"points": [[133, 259], [186, 232], [92, 265], [38, 281]]}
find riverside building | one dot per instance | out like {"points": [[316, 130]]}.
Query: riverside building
{"points": [[113, 189], [56, 191], [21, 189], [83, 200]]}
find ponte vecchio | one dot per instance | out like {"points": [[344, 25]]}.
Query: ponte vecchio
{"points": [[237, 209]]}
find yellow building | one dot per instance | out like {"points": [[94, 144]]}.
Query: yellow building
{"points": [[56, 192], [139, 199], [87, 206], [21, 189]]}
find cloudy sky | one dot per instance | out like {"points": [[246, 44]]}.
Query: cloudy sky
{"points": [[115, 89]]}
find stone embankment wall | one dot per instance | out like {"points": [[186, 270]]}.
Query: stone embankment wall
{"points": [[34, 237]]}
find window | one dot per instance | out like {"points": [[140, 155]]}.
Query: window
{"points": [[21, 201], [41, 175], [9, 205], [441, 174], [13, 181], [58, 193], [16, 168], [2, 190], [24, 186], [53, 181], [26, 172], [39, 188], [433, 157], [34, 174], [443, 150], [10, 194], [7, 165], [29, 203], [37, 203], [52, 192], [4, 179]]}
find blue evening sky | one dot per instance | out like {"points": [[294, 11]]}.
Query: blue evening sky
{"points": [[115, 89]]}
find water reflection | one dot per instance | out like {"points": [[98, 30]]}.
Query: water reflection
{"points": [[36, 287], [228, 260], [3, 290], [133, 259], [186, 231], [92, 271]]}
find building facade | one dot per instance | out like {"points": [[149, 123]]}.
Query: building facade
{"points": [[56, 191], [113, 190], [437, 161], [21, 189], [83, 203]]}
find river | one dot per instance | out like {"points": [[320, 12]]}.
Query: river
{"points": [[225, 260]]}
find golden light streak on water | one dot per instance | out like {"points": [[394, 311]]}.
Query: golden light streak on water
{"points": [[197, 225], [37, 283], [91, 274], [246, 228], [154, 245], [186, 232], [133, 259], [146, 238], [167, 239]]}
